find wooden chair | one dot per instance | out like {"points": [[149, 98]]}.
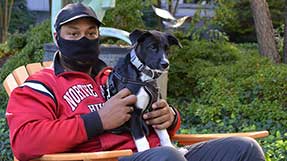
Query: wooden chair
{"points": [[19, 75]]}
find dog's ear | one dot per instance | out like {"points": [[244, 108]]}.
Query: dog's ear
{"points": [[138, 35], [135, 35], [172, 40]]}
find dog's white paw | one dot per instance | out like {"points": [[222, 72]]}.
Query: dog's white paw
{"points": [[183, 151]]}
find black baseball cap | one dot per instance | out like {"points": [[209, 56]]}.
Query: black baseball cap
{"points": [[72, 12]]}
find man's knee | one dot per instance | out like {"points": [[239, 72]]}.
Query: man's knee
{"points": [[248, 147], [245, 143]]}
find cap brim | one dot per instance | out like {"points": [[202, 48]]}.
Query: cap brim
{"points": [[81, 16]]}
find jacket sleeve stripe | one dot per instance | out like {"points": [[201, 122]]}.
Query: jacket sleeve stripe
{"points": [[39, 87]]}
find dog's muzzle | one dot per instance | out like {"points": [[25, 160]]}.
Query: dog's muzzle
{"points": [[164, 63]]}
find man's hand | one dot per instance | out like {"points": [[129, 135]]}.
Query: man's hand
{"points": [[161, 117], [116, 111]]}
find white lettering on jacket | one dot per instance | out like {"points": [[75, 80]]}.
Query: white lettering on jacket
{"points": [[77, 93], [95, 107]]}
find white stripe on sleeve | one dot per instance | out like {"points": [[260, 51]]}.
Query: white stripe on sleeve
{"points": [[38, 87]]}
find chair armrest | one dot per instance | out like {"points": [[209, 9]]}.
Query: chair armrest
{"points": [[95, 156], [187, 139]]}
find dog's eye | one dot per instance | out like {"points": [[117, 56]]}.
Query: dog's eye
{"points": [[153, 47]]}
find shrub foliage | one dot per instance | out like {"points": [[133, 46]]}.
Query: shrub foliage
{"points": [[223, 87], [126, 15]]}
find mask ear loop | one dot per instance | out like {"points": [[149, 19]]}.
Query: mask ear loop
{"points": [[56, 37]]}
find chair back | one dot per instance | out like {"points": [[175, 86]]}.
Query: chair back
{"points": [[20, 74]]}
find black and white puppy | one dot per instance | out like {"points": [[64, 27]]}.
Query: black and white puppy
{"points": [[138, 72]]}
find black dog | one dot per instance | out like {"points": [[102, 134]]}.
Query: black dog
{"points": [[138, 72]]}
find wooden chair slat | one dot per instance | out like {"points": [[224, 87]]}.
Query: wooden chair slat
{"points": [[104, 155], [188, 139], [10, 83], [33, 68], [20, 74], [47, 63]]}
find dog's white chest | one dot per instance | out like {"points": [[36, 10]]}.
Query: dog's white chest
{"points": [[142, 99]]}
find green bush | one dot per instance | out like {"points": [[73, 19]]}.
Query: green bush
{"points": [[223, 87], [278, 147], [16, 41], [5, 50], [202, 55], [32, 51], [126, 15], [21, 18], [5, 149], [279, 38]]}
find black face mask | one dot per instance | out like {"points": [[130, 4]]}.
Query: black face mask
{"points": [[84, 50]]}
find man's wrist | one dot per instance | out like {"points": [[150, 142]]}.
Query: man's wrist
{"points": [[175, 119], [93, 124]]}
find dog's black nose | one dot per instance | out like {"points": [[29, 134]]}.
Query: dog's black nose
{"points": [[164, 65]]}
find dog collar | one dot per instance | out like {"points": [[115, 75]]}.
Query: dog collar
{"points": [[153, 74]]}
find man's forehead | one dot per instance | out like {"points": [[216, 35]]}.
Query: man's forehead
{"points": [[82, 21], [79, 27]]}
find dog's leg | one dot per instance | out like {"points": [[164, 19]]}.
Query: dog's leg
{"points": [[139, 137], [142, 144], [164, 137], [165, 140], [142, 101]]}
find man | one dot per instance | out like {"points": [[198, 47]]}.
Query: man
{"points": [[62, 109]]}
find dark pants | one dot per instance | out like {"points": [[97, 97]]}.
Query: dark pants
{"points": [[226, 149]]}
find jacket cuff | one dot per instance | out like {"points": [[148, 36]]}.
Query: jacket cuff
{"points": [[176, 122], [93, 124]]}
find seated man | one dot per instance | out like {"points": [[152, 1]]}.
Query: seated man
{"points": [[62, 109]]}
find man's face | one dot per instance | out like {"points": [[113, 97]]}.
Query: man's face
{"points": [[77, 29]]}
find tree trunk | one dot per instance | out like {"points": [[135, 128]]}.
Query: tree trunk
{"points": [[158, 18], [264, 30], [285, 35], [175, 7], [50, 7], [5, 15], [170, 6], [65, 2]]}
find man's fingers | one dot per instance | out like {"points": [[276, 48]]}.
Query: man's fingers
{"points": [[158, 120], [159, 104], [156, 113], [123, 93], [130, 100], [161, 126]]}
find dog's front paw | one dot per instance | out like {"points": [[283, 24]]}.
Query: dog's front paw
{"points": [[182, 150]]}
